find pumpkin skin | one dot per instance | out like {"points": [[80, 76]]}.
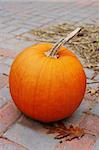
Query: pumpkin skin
{"points": [[45, 88]]}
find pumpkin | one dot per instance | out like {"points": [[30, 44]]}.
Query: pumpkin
{"points": [[46, 88]]}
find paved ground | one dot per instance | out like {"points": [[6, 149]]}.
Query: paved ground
{"points": [[18, 18]]}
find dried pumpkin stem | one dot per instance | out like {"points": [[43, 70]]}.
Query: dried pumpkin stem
{"points": [[53, 51]]}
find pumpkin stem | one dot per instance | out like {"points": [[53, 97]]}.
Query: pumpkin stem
{"points": [[55, 48]]}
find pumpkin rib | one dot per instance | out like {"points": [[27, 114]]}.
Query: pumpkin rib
{"points": [[50, 74], [52, 91], [16, 74], [59, 69], [35, 86], [21, 92], [26, 82], [47, 68], [62, 65], [69, 101], [72, 102], [16, 68]]}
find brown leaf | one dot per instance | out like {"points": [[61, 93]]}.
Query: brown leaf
{"points": [[89, 65], [61, 125], [5, 74], [62, 132], [92, 91]]}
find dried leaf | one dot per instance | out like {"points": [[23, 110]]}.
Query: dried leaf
{"points": [[65, 133], [89, 65], [5, 74], [97, 38], [61, 125], [93, 93]]}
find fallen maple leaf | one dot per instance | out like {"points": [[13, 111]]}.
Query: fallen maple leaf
{"points": [[65, 133]]}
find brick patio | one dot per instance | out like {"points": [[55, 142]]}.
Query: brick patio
{"points": [[17, 18]]}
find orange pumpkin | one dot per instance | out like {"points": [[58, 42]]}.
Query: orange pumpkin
{"points": [[45, 88]]}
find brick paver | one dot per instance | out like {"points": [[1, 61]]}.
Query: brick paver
{"points": [[91, 124], [96, 145], [3, 80], [95, 109], [85, 143], [7, 53], [16, 19], [31, 134], [8, 115], [6, 144], [5, 93]]}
